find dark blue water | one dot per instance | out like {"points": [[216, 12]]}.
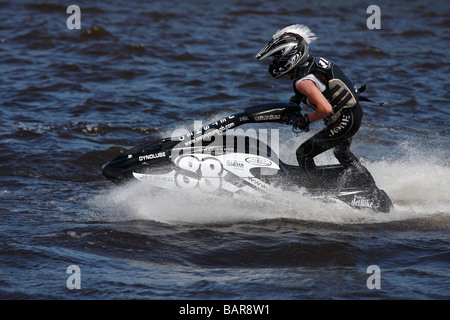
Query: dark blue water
{"points": [[73, 99]]}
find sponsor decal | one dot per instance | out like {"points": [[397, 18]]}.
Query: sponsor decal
{"points": [[336, 129], [258, 161], [207, 136], [324, 63], [235, 163], [223, 126], [154, 178], [258, 183], [358, 202], [268, 117], [152, 156]]}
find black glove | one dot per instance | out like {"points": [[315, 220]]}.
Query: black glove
{"points": [[301, 122], [295, 99]]}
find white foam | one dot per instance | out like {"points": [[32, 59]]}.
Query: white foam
{"points": [[418, 184]]}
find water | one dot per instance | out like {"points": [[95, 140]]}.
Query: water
{"points": [[72, 99]]}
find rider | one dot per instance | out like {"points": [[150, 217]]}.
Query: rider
{"points": [[320, 84]]}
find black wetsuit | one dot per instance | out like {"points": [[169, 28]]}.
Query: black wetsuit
{"points": [[341, 125]]}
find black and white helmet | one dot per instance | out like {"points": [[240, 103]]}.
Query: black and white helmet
{"points": [[289, 48]]}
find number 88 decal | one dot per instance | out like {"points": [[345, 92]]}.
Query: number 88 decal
{"points": [[208, 173]]}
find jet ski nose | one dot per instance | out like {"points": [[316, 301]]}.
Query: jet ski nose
{"points": [[105, 167], [109, 172]]}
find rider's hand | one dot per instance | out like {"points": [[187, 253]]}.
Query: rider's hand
{"points": [[302, 122], [295, 99]]}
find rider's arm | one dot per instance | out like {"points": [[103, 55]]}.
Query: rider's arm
{"points": [[310, 90]]}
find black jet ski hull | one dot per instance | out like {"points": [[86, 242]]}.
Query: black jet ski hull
{"points": [[218, 163]]}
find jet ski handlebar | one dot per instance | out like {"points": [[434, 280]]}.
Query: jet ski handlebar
{"points": [[282, 112]]}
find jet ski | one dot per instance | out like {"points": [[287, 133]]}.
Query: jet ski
{"points": [[235, 164]]}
